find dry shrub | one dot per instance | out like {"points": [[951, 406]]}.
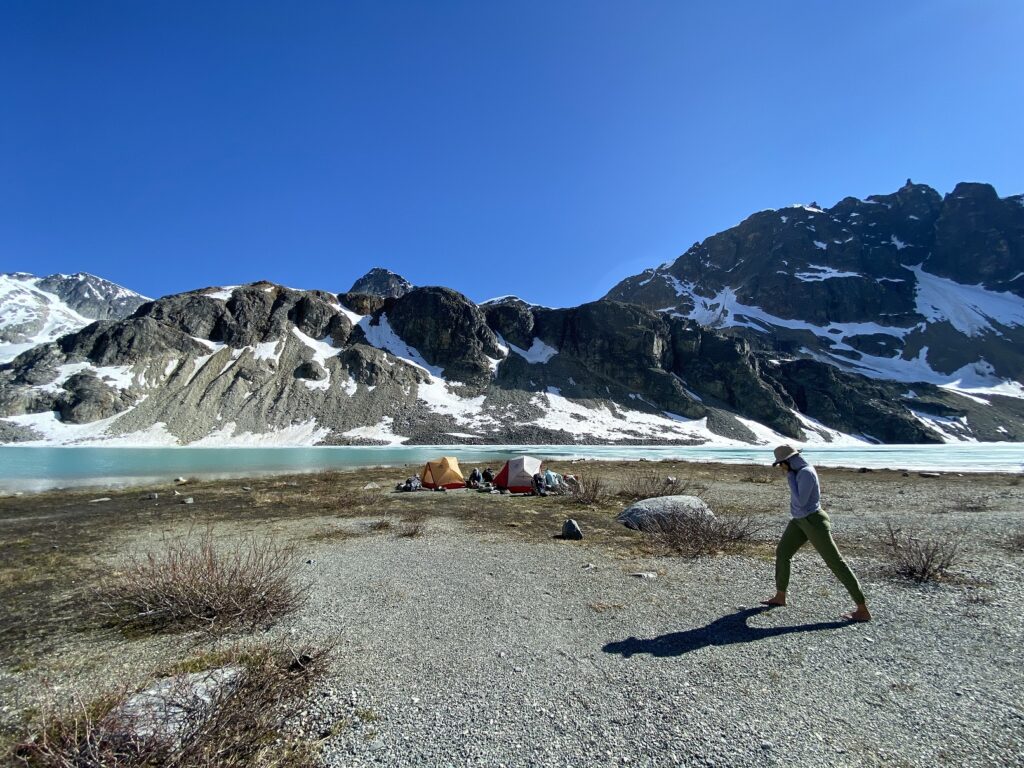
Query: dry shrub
{"points": [[413, 531], [697, 535], [194, 582], [241, 725], [648, 485], [919, 558], [380, 526], [588, 489]]}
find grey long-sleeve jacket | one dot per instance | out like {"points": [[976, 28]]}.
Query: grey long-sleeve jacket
{"points": [[804, 488]]}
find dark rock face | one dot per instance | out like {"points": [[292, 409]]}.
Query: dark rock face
{"points": [[727, 370], [362, 303], [448, 330], [383, 283], [851, 404], [512, 318], [107, 342], [311, 370], [797, 278], [89, 399]]}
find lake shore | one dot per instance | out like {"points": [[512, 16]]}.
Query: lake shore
{"points": [[465, 633]]}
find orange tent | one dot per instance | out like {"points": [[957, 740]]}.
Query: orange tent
{"points": [[443, 473]]}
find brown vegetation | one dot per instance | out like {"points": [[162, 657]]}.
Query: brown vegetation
{"points": [[698, 536], [192, 582], [243, 725], [918, 557]]}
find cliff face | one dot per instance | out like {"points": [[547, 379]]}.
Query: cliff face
{"points": [[904, 286]]}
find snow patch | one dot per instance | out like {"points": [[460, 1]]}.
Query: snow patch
{"points": [[970, 309], [381, 433], [539, 352], [383, 337]]}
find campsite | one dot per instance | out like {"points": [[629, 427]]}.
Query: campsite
{"points": [[461, 627]]}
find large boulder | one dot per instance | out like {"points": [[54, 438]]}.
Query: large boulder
{"points": [[657, 514]]}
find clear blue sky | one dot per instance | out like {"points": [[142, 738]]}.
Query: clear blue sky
{"points": [[546, 149]]}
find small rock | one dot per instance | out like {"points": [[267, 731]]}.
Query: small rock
{"points": [[188, 500], [928, 474], [766, 745], [246, 487], [589, 567], [97, 501], [153, 496], [645, 574], [370, 486], [310, 562], [177, 494], [571, 530], [180, 480], [862, 470]]}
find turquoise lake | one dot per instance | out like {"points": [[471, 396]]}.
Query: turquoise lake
{"points": [[39, 468]]}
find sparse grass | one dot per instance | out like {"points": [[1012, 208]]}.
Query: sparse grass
{"points": [[194, 582], [244, 725], [602, 607], [761, 476], [649, 485], [334, 533], [919, 558], [698, 536], [379, 526], [967, 502]]}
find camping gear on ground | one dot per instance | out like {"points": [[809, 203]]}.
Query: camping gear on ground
{"points": [[663, 513], [553, 481], [443, 473], [517, 474], [411, 484]]}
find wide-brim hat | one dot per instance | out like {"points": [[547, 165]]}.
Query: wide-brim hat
{"points": [[784, 452]]}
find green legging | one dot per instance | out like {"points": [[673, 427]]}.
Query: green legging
{"points": [[817, 528]]}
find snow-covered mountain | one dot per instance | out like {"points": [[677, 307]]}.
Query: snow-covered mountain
{"points": [[905, 287], [895, 319], [35, 310], [265, 364]]}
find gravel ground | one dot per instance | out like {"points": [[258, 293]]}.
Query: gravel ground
{"points": [[480, 643], [457, 648]]}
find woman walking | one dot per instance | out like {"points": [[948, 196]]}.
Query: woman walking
{"points": [[809, 523]]}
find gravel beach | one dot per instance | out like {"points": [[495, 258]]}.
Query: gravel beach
{"points": [[478, 642]]}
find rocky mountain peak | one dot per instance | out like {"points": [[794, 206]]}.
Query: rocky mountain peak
{"points": [[383, 283]]}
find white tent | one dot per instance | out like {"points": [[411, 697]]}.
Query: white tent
{"points": [[517, 474]]}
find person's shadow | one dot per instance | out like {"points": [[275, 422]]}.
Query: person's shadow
{"points": [[727, 630]]}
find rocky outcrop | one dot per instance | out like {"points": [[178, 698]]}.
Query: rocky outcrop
{"points": [[383, 283], [448, 330]]}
